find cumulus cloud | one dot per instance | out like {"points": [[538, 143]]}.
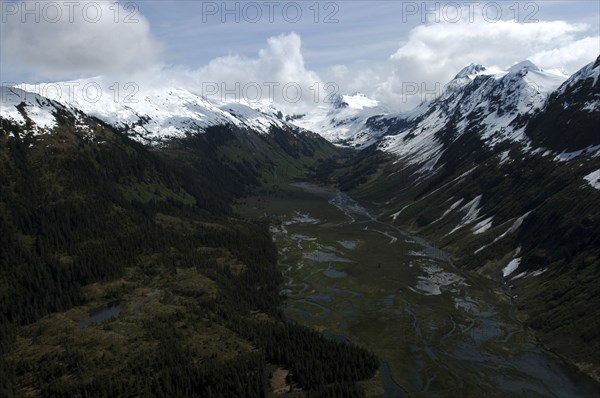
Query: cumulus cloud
{"points": [[438, 46], [569, 56], [434, 52], [68, 39], [277, 73]]}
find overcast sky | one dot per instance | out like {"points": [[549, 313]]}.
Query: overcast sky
{"points": [[374, 47]]}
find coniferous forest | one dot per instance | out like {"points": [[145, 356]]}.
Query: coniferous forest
{"points": [[90, 219]]}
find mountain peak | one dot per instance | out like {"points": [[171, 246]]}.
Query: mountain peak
{"points": [[526, 65], [338, 101], [472, 69], [464, 77], [359, 101]]}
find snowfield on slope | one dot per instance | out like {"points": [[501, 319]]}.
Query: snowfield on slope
{"points": [[511, 267], [37, 108], [158, 114], [593, 179]]}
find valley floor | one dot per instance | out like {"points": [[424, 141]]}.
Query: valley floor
{"points": [[437, 330]]}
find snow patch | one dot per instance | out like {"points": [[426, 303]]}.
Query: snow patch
{"points": [[452, 207], [483, 226], [472, 208], [528, 274], [593, 179], [566, 156], [41, 117], [396, 214], [504, 157], [518, 276], [515, 225], [511, 267]]}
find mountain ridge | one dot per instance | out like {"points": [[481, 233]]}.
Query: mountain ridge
{"points": [[519, 206]]}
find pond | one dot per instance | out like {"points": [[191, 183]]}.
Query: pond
{"points": [[107, 313]]}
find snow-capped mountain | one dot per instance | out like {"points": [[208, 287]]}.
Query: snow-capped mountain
{"points": [[151, 117], [497, 105], [570, 118], [453, 165], [342, 121], [494, 104]]}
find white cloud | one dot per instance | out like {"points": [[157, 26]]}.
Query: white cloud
{"points": [[68, 39], [569, 56], [277, 73], [434, 52], [437, 46], [261, 78]]}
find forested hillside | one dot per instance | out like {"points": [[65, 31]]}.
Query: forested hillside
{"points": [[124, 273]]}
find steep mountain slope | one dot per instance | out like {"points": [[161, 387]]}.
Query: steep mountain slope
{"points": [[493, 105], [218, 161], [29, 111], [151, 116], [206, 139], [506, 182], [576, 101]]}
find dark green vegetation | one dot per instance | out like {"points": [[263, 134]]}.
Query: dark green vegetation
{"points": [[558, 241], [90, 221]]}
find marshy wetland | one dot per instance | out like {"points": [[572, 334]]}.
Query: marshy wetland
{"points": [[438, 330]]}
